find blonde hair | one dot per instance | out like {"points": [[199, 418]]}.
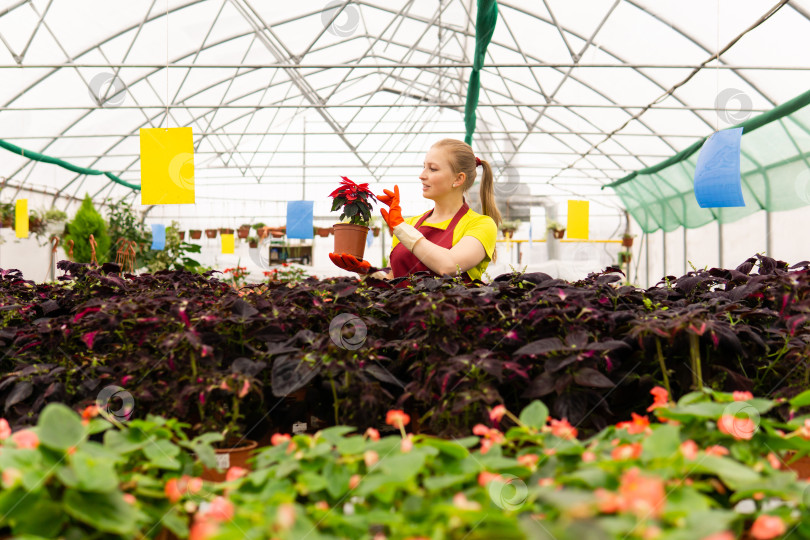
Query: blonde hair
{"points": [[462, 160]]}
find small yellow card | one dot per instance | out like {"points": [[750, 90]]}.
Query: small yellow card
{"points": [[21, 218], [167, 166], [227, 243], [578, 219]]}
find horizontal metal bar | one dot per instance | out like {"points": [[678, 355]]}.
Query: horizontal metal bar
{"points": [[393, 66], [339, 152], [348, 133], [459, 106]]}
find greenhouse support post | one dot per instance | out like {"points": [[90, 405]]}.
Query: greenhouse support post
{"points": [[720, 242], [647, 257], [768, 243], [684, 251]]}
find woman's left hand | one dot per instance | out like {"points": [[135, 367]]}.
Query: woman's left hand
{"points": [[393, 216]]}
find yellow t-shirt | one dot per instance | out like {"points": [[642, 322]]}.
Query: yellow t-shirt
{"points": [[471, 224]]}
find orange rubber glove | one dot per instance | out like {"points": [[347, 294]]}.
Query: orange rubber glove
{"points": [[394, 214], [350, 263]]}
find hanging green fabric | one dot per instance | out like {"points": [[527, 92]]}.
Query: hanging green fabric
{"points": [[36, 156], [774, 166], [484, 28]]}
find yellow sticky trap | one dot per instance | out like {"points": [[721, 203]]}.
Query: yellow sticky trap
{"points": [[167, 166], [227, 243], [578, 219], [21, 218]]}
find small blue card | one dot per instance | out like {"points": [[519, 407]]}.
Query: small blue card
{"points": [[718, 183], [158, 236], [300, 219]]}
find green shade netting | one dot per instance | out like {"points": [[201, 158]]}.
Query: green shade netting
{"points": [[774, 165], [36, 156], [484, 28]]}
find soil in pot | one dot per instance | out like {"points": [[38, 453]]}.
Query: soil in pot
{"points": [[228, 457], [350, 239]]}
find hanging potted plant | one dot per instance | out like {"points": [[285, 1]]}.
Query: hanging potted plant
{"points": [[323, 232], [243, 231], [627, 240], [508, 228], [210, 233], [353, 201], [253, 242], [195, 234], [557, 229], [625, 257], [277, 232]]}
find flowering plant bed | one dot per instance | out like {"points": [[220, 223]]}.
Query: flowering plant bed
{"points": [[711, 466], [190, 346]]}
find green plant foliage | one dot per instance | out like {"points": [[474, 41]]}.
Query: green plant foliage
{"points": [[86, 222], [125, 223]]}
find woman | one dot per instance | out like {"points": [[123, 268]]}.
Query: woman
{"points": [[449, 239]]}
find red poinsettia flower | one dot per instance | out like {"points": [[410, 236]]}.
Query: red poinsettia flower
{"points": [[353, 200]]}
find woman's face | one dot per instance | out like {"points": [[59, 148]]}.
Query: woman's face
{"points": [[437, 175]]}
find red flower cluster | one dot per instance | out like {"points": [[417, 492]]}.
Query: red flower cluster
{"points": [[353, 199]]}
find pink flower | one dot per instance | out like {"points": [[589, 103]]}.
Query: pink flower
{"points": [[245, 388], [528, 460], [397, 419], [725, 535], [716, 450], [407, 444], [354, 481], [485, 477], [234, 473], [11, 477], [742, 396], [689, 449], [279, 438], [26, 439], [639, 424], [221, 509], [371, 458], [172, 490], [497, 413], [642, 495], [588, 456], [129, 498], [372, 434], [766, 527], [461, 502], [739, 428], [202, 529], [285, 515], [626, 451], [563, 429], [5, 429], [660, 398]]}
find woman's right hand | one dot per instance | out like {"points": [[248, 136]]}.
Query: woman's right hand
{"points": [[350, 263]]}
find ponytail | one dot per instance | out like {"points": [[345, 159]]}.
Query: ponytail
{"points": [[487, 194]]}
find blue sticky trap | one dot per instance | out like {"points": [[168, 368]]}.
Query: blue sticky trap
{"points": [[717, 175], [158, 236], [369, 239], [299, 219]]}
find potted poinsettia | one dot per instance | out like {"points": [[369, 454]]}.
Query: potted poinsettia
{"points": [[354, 201]]}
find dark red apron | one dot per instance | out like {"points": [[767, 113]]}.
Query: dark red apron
{"points": [[404, 263]]}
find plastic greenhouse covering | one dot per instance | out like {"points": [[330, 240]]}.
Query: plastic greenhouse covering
{"points": [[284, 99]]}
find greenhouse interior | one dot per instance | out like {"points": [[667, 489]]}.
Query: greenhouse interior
{"points": [[417, 269]]}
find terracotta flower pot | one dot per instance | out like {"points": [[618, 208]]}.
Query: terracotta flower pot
{"points": [[376, 231], [350, 239], [507, 233], [253, 244], [323, 232], [195, 234], [277, 233], [559, 234], [625, 258], [230, 457], [182, 235], [263, 232], [225, 230], [801, 466], [210, 233], [627, 242], [243, 232]]}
